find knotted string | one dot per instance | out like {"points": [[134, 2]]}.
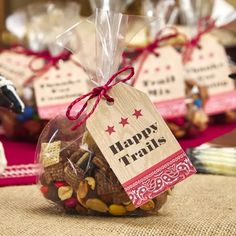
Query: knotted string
{"points": [[44, 54], [205, 25], [99, 92], [163, 35], [151, 47]]}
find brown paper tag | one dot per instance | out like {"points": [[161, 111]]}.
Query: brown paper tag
{"points": [[58, 87], [209, 67], [138, 145], [50, 153], [15, 67], [162, 80]]}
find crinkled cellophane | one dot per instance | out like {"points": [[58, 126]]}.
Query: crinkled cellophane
{"points": [[80, 180]]}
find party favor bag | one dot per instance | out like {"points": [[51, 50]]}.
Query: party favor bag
{"points": [[205, 60], [112, 153]]}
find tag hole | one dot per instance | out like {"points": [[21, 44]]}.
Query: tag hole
{"points": [[110, 103], [199, 47]]}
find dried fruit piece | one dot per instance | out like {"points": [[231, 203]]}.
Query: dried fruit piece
{"points": [[71, 202], [44, 189], [65, 192], [83, 189], [148, 206], [130, 207], [96, 205], [91, 182], [59, 184], [117, 210]]}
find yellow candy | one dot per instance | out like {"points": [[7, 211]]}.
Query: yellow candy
{"points": [[117, 210], [148, 206]]}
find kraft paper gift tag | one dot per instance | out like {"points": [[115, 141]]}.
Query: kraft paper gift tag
{"points": [[209, 66], [15, 67], [162, 79], [137, 144], [56, 88]]}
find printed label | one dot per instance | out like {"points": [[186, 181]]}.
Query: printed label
{"points": [[162, 79], [138, 145], [209, 67], [55, 90], [15, 67]]}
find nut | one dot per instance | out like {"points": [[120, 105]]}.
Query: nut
{"points": [[81, 201], [126, 203], [117, 210], [130, 207], [65, 192], [83, 189], [148, 206], [96, 205], [91, 182]]}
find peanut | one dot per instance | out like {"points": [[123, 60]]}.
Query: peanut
{"points": [[91, 182], [96, 205], [65, 192], [148, 206], [83, 189], [130, 207]]}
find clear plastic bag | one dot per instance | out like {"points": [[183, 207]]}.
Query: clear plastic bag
{"points": [[75, 174]]}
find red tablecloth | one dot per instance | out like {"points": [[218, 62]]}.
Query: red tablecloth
{"points": [[20, 155]]}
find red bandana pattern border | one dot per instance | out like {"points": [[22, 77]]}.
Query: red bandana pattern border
{"points": [[159, 178]]}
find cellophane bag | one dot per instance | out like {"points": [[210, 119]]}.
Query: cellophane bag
{"points": [[36, 26], [220, 14], [75, 175]]}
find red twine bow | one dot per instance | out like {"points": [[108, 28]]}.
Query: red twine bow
{"points": [[99, 92], [205, 25], [45, 55], [169, 33], [50, 61], [151, 47]]}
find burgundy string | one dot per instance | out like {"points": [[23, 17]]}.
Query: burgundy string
{"points": [[205, 25], [44, 54], [99, 92], [151, 47]]}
